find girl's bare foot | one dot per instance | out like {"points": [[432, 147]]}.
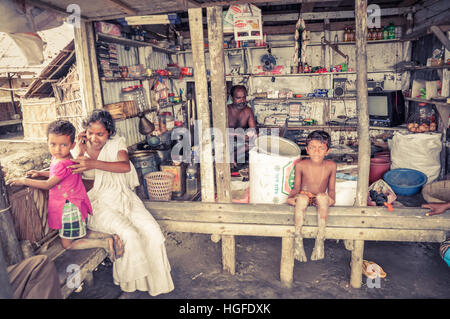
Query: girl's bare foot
{"points": [[118, 246]]}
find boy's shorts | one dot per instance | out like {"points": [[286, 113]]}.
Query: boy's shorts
{"points": [[311, 197], [73, 225]]}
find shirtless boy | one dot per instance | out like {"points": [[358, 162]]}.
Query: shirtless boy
{"points": [[313, 177]]}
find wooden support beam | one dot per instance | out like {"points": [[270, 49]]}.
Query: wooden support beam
{"points": [[422, 28], [123, 7], [85, 73], [307, 7], [219, 115], [52, 8], [287, 261], [356, 264], [96, 86], [315, 27], [201, 93], [219, 103], [441, 36], [363, 130], [335, 233]]}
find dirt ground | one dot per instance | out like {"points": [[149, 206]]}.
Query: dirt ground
{"points": [[414, 270], [18, 156]]}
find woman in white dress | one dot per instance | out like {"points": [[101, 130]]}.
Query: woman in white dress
{"points": [[118, 210]]}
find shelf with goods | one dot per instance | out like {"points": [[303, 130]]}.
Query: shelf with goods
{"points": [[317, 74], [428, 101], [334, 127], [302, 99], [424, 67], [281, 46], [101, 37], [139, 78]]}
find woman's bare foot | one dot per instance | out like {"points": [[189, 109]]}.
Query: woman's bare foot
{"points": [[118, 246], [112, 254]]}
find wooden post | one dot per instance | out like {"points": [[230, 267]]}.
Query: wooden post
{"points": [[219, 116], [84, 66], [357, 260], [363, 130], [228, 254], [201, 94], [219, 100], [287, 261], [8, 239], [96, 87], [5, 285]]}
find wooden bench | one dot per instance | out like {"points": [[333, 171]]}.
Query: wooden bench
{"points": [[354, 225], [68, 262]]}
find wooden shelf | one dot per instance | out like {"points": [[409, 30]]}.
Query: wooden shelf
{"points": [[139, 78], [153, 109], [303, 99], [423, 67], [279, 46], [10, 122], [124, 41], [427, 101], [334, 127], [316, 74]]}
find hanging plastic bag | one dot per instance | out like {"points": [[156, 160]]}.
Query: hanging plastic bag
{"points": [[380, 193], [160, 89], [417, 151]]}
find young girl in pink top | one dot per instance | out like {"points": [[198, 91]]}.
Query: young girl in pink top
{"points": [[68, 204]]}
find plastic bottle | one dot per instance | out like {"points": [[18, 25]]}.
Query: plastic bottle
{"points": [[385, 33], [191, 179], [391, 30], [346, 34]]}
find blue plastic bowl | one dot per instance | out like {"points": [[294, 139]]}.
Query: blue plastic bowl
{"points": [[405, 181]]}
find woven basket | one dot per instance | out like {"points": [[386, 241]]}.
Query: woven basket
{"points": [[116, 110], [159, 185], [121, 110]]}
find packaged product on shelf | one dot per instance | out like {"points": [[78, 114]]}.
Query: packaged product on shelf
{"points": [[107, 28]]}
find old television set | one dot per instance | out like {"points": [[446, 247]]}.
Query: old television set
{"points": [[386, 108]]}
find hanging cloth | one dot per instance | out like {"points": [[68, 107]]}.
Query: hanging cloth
{"points": [[300, 42]]}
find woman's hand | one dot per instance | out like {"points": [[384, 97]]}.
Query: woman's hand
{"points": [[83, 164], [81, 143]]}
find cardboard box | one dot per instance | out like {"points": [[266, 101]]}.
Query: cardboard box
{"points": [[179, 182], [416, 86], [432, 88]]}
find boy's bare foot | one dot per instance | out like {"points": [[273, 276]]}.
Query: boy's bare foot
{"points": [[318, 251], [112, 254], [299, 253], [299, 250], [118, 246]]}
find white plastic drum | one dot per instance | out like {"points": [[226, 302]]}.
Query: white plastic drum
{"points": [[272, 162]]}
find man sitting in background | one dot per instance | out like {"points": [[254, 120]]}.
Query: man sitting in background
{"points": [[240, 116]]}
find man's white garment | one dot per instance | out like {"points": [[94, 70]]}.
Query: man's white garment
{"points": [[118, 210]]}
